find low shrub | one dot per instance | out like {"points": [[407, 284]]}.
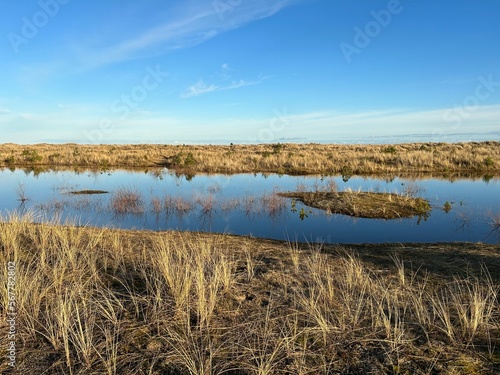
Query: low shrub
{"points": [[31, 156]]}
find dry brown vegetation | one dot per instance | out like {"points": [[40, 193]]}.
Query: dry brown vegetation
{"points": [[129, 201], [364, 204], [471, 157], [126, 202], [101, 301]]}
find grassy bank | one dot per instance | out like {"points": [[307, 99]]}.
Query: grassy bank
{"points": [[94, 301], [483, 157]]}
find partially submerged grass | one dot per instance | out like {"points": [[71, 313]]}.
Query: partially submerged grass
{"points": [[127, 201], [495, 224], [93, 301], [364, 204]]}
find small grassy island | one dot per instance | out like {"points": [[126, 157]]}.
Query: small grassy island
{"points": [[364, 204], [88, 192]]}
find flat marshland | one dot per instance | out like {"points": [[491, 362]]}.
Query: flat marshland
{"points": [[473, 157], [103, 301], [107, 301]]}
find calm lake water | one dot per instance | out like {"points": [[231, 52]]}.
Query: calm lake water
{"points": [[245, 204]]}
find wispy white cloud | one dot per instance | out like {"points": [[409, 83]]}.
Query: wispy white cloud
{"points": [[192, 25], [4, 111], [331, 126], [398, 121], [221, 80], [343, 116], [200, 87]]}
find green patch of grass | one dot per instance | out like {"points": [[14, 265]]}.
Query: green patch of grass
{"points": [[390, 150], [346, 173], [31, 156], [180, 160], [447, 207], [189, 159], [277, 148]]}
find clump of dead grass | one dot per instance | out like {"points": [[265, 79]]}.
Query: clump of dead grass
{"points": [[127, 201]]}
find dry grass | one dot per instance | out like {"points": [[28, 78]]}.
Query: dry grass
{"points": [[364, 204], [206, 202], [474, 157], [94, 301], [127, 201], [273, 204], [177, 205], [495, 221], [495, 224]]}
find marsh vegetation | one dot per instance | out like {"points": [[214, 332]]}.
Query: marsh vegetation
{"points": [[95, 301], [364, 204], [158, 199], [347, 160], [98, 300]]}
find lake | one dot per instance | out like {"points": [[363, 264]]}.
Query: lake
{"points": [[247, 204]]}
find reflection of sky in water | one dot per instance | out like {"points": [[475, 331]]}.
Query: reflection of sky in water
{"points": [[472, 202]]}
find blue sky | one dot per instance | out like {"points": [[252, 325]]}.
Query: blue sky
{"points": [[195, 71]]}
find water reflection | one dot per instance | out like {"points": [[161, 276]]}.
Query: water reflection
{"points": [[249, 204], [494, 223], [163, 173]]}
